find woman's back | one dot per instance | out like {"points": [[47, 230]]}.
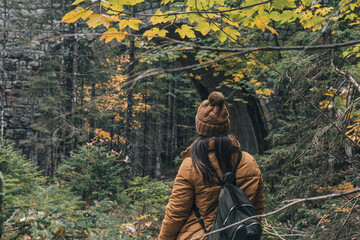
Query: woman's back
{"points": [[190, 187], [212, 154]]}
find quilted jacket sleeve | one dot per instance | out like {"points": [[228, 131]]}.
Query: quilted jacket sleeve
{"points": [[259, 200], [180, 202]]}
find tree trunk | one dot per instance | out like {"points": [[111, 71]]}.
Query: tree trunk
{"points": [[3, 80], [158, 148], [75, 66], [168, 126], [173, 125], [246, 118], [129, 109], [144, 148]]}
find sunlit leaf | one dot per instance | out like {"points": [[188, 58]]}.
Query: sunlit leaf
{"points": [[185, 31], [77, 2], [155, 31], [73, 15], [132, 23]]}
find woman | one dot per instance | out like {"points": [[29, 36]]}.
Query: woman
{"points": [[213, 153]]}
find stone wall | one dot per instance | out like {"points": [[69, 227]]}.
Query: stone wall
{"points": [[29, 33], [25, 27], [29, 36]]}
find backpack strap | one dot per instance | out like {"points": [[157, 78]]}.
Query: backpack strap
{"points": [[233, 177], [199, 217]]}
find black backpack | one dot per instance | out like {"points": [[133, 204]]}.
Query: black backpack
{"points": [[233, 206]]}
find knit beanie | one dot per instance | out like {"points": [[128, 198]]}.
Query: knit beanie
{"points": [[212, 118]]}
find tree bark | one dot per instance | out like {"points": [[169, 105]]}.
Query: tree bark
{"points": [[129, 110], [3, 80], [246, 118], [174, 125]]}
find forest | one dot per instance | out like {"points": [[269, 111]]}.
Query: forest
{"points": [[98, 99]]}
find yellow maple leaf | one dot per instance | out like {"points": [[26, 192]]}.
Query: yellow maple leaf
{"points": [[232, 33], [261, 22], [77, 2], [221, 35], [186, 31], [73, 15], [131, 2], [86, 14], [273, 31], [94, 20], [228, 21], [203, 27], [153, 32], [116, 5], [113, 33], [98, 19], [132, 23], [158, 19], [105, 4]]}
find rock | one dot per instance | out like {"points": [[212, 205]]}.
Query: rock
{"points": [[130, 229]]}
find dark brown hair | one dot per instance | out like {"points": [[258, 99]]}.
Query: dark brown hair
{"points": [[200, 156]]}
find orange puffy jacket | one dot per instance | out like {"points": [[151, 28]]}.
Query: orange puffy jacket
{"points": [[180, 221]]}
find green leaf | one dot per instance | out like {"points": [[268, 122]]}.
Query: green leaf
{"points": [[280, 4]]}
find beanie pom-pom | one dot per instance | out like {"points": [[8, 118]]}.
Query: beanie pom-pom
{"points": [[216, 99]]}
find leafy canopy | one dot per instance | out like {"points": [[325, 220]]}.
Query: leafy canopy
{"points": [[223, 19]]}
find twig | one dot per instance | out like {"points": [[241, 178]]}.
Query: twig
{"points": [[324, 197], [347, 75], [284, 235], [347, 218], [276, 233]]}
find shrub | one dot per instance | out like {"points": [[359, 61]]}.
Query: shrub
{"points": [[93, 173]]}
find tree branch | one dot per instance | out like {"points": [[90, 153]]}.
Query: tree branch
{"points": [[347, 218], [294, 202], [230, 50], [348, 76]]}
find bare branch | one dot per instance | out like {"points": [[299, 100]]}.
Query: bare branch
{"points": [[347, 218], [297, 201], [348, 76], [234, 50]]}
